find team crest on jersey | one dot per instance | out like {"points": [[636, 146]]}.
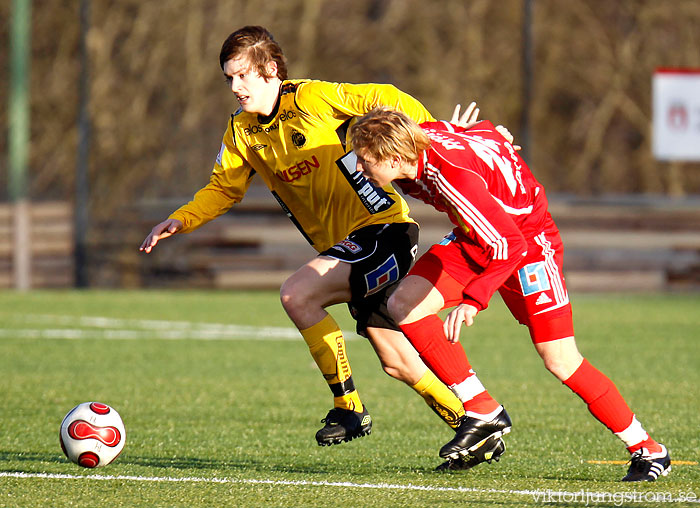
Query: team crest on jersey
{"points": [[533, 278], [386, 273], [298, 139]]}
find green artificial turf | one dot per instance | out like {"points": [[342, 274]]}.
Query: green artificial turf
{"points": [[226, 416]]}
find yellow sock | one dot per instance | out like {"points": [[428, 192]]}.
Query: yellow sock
{"points": [[327, 347], [440, 398], [349, 401]]}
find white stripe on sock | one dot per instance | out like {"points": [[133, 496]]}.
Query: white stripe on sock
{"points": [[468, 389], [634, 434]]}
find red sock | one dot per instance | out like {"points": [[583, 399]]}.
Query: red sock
{"points": [[649, 444], [447, 360], [602, 397], [482, 404], [449, 363]]}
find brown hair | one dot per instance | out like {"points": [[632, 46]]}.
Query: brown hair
{"points": [[384, 132], [258, 45]]}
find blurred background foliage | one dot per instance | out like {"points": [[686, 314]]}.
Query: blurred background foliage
{"points": [[159, 106]]}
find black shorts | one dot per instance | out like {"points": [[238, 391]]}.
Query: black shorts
{"points": [[380, 255]]}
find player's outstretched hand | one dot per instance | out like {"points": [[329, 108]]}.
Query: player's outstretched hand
{"points": [[471, 117], [163, 230], [468, 119], [463, 313]]}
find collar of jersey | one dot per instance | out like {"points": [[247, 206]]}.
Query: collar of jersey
{"points": [[421, 164], [267, 119]]}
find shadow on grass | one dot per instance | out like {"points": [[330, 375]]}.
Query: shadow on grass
{"points": [[165, 463], [6, 456], [231, 466], [188, 463], [267, 465]]}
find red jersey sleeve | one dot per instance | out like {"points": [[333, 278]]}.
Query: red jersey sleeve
{"points": [[494, 235]]}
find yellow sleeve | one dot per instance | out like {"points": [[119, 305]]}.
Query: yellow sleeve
{"points": [[227, 185], [347, 100]]}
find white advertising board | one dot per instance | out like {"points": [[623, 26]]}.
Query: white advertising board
{"points": [[676, 114]]}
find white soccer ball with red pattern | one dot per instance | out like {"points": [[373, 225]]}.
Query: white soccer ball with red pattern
{"points": [[92, 434]]}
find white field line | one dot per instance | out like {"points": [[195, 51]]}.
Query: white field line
{"points": [[543, 496], [95, 327]]}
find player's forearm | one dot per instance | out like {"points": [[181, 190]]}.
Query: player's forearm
{"points": [[511, 250], [481, 289], [207, 204]]}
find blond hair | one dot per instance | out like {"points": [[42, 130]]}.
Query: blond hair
{"points": [[384, 132]]}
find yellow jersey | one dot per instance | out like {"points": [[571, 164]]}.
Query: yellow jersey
{"points": [[301, 151]]}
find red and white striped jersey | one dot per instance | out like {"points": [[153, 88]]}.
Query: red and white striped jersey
{"points": [[477, 178]]}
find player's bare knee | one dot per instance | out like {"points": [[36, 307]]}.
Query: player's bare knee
{"points": [[402, 369], [561, 357], [391, 371], [551, 365], [562, 368], [396, 371], [292, 295], [285, 295], [398, 307]]}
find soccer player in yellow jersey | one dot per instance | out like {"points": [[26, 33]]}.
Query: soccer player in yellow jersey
{"points": [[292, 133]]}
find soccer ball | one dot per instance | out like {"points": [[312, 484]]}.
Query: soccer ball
{"points": [[92, 434]]}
